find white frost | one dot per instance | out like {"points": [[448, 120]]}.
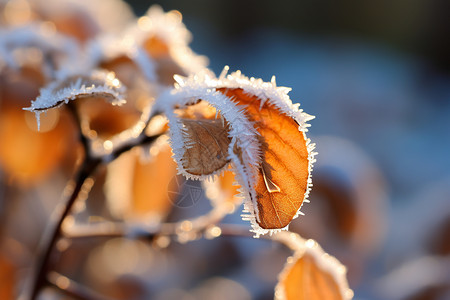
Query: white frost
{"points": [[169, 28], [97, 83], [37, 35], [108, 47]]}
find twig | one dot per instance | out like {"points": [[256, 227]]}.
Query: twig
{"points": [[53, 232], [83, 139], [72, 288], [90, 164], [185, 230], [113, 230]]}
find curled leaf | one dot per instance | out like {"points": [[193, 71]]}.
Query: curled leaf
{"points": [[311, 274], [217, 136], [97, 83], [268, 149], [208, 146], [129, 61], [283, 176]]}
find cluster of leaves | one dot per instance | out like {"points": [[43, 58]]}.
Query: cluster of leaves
{"points": [[242, 137]]}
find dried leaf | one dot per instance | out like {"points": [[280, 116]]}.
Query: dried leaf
{"points": [[128, 70], [75, 23], [200, 135], [21, 85], [165, 39], [207, 148], [156, 47], [34, 45], [224, 190], [99, 84], [25, 154], [137, 187], [283, 175], [267, 146], [102, 120], [312, 274]]}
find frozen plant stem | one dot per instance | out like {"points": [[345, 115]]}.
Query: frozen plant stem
{"points": [[53, 233], [83, 139], [87, 169]]}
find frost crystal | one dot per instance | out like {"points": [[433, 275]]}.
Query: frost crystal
{"points": [[97, 83]]}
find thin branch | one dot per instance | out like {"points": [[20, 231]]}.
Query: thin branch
{"points": [[87, 169], [53, 232], [83, 139], [72, 288], [98, 230]]}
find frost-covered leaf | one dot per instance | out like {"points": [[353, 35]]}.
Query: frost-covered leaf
{"points": [[81, 20], [283, 175], [98, 84], [270, 154], [136, 184], [84, 20], [123, 56], [311, 274], [207, 150], [165, 39], [36, 44], [180, 105]]}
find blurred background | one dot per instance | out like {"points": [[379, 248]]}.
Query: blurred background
{"points": [[377, 77], [376, 74]]}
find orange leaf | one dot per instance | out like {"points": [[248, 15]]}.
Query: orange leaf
{"points": [[283, 175], [25, 153], [164, 38], [137, 187], [8, 273], [166, 66], [312, 274], [267, 147], [75, 23], [228, 187], [156, 47], [154, 177], [102, 120], [223, 190]]}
